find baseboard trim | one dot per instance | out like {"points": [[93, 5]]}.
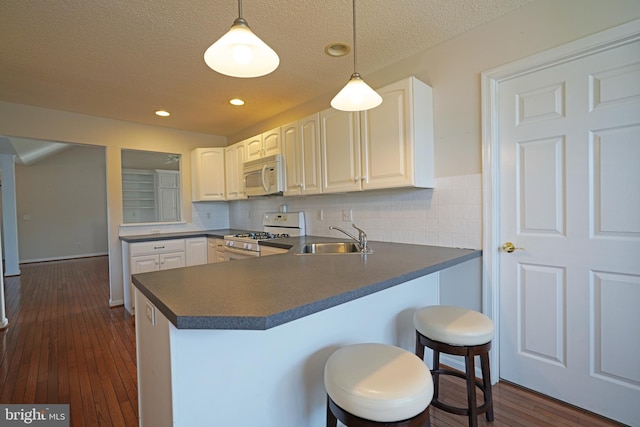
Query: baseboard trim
{"points": [[63, 258], [116, 303]]}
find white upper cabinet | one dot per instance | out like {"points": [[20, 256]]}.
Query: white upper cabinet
{"points": [[340, 141], [301, 150], [234, 157], [385, 147], [266, 144], [208, 176]]}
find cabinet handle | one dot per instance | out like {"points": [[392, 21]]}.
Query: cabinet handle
{"points": [[158, 247], [356, 179]]}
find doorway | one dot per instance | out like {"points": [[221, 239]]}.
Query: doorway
{"points": [[561, 144]]}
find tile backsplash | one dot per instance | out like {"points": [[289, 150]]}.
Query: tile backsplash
{"points": [[449, 215]]}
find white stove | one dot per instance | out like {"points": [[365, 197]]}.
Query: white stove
{"points": [[276, 225]]}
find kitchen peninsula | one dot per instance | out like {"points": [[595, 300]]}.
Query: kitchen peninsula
{"points": [[245, 342]]}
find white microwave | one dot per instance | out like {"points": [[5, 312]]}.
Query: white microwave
{"points": [[264, 176]]}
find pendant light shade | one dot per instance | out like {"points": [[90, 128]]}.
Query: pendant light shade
{"points": [[240, 53], [356, 95]]}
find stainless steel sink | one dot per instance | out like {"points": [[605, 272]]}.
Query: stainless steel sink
{"points": [[330, 248]]}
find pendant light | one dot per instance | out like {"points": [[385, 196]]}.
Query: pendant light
{"points": [[240, 53], [356, 95]]}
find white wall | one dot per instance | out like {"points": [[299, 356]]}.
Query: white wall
{"points": [[62, 205]]}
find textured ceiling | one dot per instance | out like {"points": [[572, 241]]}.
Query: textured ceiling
{"points": [[123, 59]]}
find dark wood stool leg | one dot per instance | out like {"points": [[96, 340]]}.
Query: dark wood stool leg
{"points": [[471, 390], [332, 421], [419, 347], [486, 382], [435, 373]]}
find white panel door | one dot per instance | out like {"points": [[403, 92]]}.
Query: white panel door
{"points": [[569, 138]]}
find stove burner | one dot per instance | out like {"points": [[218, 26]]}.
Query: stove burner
{"points": [[260, 235]]}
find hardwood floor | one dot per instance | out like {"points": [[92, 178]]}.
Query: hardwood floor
{"points": [[65, 345]]}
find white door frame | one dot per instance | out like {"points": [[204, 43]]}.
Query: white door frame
{"points": [[491, 243]]}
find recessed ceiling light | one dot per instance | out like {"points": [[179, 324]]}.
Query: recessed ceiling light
{"points": [[337, 49], [236, 101], [162, 113]]}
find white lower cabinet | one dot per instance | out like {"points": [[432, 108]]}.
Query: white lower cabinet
{"points": [[196, 251], [215, 250], [144, 257]]}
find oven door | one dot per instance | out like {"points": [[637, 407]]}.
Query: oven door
{"points": [[232, 254]]}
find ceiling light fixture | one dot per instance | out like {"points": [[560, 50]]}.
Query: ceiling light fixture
{"points": [[236, 101], [356, 95], [240, 53], [337, 49], [162, 113]]}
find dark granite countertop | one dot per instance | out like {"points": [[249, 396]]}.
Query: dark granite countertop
{"points": [[181, 235], [261, 293]]}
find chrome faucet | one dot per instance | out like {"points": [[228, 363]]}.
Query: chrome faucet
{"points": [[361, 239]]}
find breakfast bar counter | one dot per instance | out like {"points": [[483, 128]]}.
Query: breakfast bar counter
{"points": [[244, 342], [264, 292]]}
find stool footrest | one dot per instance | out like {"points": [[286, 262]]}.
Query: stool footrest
{"points": [[454, 409], [334, 413]]}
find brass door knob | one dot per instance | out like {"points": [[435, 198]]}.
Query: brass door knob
{"points": [[510, 247]]}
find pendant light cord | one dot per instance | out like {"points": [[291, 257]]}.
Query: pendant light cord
{"points": [[240, 9], [355, 47]]}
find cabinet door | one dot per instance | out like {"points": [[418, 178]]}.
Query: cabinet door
{"points": [[196, 251], [234, 157], [254, 147], [144, 264], [291, 152], [309, 155], [208, 174], [397, 148], [231, 172], [340, 141], [266, 144], [168, 204], [271, 142], [172, 260], [211, 250]]}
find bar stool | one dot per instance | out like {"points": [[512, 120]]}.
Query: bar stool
{"points": [[377, 384], [462, 332]]}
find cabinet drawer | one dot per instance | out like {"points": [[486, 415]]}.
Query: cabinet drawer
{"points": [[157, 247]]}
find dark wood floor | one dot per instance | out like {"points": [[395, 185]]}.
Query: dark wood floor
{"points": [[65, 345]]}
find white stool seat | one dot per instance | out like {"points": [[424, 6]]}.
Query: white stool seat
{"points": [[453, 325], [378, 382]]}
